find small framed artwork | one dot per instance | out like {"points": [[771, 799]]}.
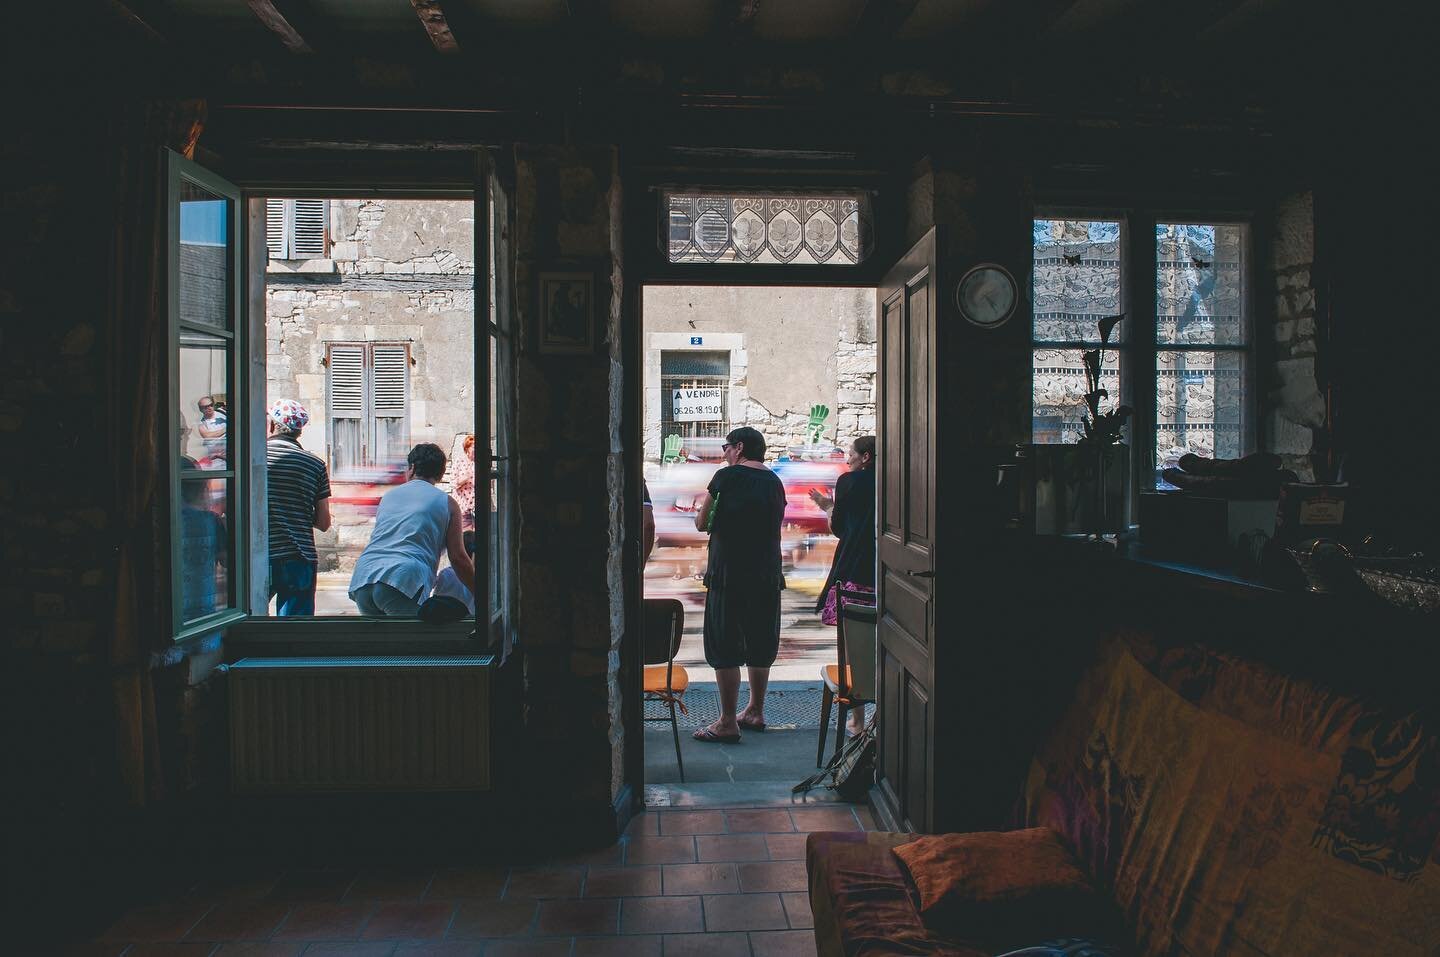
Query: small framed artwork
{"points": [[567, 313]]}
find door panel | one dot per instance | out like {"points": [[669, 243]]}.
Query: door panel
{"points": [[917, 745], [916, 340], [906, 305]]}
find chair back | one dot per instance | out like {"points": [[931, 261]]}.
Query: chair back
{"points": [[662, 621], [857, 621]]}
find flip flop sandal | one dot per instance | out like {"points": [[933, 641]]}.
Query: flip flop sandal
{"points": [[758, 726], [708, 736]]}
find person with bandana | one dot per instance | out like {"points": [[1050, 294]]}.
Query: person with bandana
{"points": [[299, 503]]}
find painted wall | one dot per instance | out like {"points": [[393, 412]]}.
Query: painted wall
{"points": [[789, 348]]}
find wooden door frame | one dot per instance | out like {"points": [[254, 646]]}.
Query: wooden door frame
{"points": [[645, 267]]}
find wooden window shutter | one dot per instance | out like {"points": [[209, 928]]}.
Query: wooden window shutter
{"points": [[391, 384], [311, 225], [392, 380], [347, 381], [275, 228], [345, 377]]}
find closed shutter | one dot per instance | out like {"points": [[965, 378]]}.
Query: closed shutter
{"points": [[275, 228], [391, 378], [346, 378], [311, 222]]}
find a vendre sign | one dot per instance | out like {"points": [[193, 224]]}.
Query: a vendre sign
{"points": [[697, 405]]}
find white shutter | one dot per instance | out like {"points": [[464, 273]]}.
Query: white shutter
{"points": [[392, 381], [311, 220], [347, 381], [275, 228]]}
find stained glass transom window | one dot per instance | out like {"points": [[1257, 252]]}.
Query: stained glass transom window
{"points": [[830, 230]]}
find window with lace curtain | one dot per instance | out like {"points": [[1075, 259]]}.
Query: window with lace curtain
{"points": [[1183, 350]]}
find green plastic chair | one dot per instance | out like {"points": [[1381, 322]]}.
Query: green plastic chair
{"points": [[818, 414], [670, 450]]}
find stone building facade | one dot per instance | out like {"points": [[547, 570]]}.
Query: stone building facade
{"points": [[774, 352], [396, 273]]}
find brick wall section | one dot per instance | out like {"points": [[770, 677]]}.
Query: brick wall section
{"points": [[569, 479], [1294, 407]]}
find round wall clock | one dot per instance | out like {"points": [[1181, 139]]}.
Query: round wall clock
{"points": [[987, 295]]}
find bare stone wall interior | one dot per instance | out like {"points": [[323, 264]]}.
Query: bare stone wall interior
{"points": [[1294, 404], [569, 481]]}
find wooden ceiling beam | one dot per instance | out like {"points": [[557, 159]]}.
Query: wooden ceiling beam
{"points": [[276, 22], [879, 20], [143, 17], [432, 17]]}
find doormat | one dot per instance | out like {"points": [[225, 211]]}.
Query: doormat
{"points": [[789, 705]]}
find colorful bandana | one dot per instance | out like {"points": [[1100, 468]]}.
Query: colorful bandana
{"points": [[289, 416]]}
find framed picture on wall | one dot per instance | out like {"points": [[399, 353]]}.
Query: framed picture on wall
{"points": [[567, 313]]}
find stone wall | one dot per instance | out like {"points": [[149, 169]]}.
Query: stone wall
{"points": [[1294, 407], [569, 480], [423, 247], [789, 348]]}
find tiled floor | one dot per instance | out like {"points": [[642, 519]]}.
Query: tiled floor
{"points": [[681, 882]]}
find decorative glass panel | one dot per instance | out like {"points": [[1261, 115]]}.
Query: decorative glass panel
{"points": [[205, 544], [1078, 279], [1200, 284], [1199, 404], [831, 230], [203, 406], [204, 276], [1058, 392]]}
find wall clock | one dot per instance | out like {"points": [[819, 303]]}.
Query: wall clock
{"points": [[987, 295]]}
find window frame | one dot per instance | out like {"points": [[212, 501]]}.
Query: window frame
{"points": [[254, 631], [178, 171], [1139, 349]]}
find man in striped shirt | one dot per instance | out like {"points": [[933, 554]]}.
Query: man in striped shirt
{"points": [[299, 503]]}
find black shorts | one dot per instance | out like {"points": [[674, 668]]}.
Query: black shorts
{"points": [[742, 623]]}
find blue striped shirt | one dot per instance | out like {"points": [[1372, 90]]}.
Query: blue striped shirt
{"points": [[298, 481]]}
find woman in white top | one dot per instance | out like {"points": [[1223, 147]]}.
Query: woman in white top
{"points": [[413, 525]]}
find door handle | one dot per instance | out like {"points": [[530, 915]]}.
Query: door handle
{"points": [[925, 573]]}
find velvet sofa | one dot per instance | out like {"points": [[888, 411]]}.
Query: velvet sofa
{"points": [[1219, 805]]}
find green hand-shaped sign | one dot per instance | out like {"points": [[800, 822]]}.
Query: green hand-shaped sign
{"points": [[670, 452], [818, 414]]}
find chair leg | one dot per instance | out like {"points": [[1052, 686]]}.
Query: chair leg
{"points": [[824, 726], [675, 729], [840, 714]]}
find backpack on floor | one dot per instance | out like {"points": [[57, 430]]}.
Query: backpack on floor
{"points": [[851, 772]]}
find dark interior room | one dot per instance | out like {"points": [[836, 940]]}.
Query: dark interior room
{"points": [[1148, 586]]}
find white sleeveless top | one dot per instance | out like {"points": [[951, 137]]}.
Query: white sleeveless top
{"points": [[409, 536]]}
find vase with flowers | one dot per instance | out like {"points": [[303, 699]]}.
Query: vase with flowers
{"points": [[1103, 423]]}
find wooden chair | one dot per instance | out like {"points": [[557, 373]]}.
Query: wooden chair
{"points": [[851, 681], [663, 622]]}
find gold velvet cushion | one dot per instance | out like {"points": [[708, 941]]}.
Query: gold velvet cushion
{"points": [[989, 884]]}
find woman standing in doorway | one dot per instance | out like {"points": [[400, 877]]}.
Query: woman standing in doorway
{"points": [[742, 508], [852, 520]]}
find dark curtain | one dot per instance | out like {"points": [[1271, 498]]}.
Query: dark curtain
{"points": [[136, 301]]}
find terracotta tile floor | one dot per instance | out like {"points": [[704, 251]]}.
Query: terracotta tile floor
{"points": [[681, 881]]}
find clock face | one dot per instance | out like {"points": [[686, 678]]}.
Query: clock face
{"points": [[986, 295]]}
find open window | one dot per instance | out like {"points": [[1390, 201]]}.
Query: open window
{"points": [[402, 335], [205, 391]]}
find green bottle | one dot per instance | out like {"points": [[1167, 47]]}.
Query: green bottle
{"points": [[714, 507]]}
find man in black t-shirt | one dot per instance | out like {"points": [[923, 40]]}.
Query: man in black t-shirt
{"points": [[299, 503]]}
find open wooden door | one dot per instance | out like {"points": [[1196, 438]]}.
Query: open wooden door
{"points": [[907, 307]]}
